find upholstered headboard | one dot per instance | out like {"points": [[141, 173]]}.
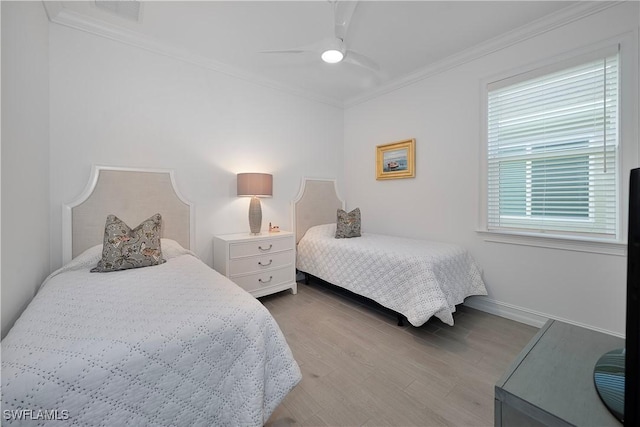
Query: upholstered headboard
{"points": [[133, 195], [316, 204]]}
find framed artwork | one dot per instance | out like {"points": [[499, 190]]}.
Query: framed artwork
{"points": [[396, 160]]}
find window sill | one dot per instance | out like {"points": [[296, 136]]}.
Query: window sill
{"points": [[595, 246]]}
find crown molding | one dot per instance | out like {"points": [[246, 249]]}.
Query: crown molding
{"points": [[535, 28], [52, 8], [59, 14]]}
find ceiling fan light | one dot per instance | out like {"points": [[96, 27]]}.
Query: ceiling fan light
{"points": [[332, 56]]}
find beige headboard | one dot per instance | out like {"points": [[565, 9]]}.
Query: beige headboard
{"points": [[316, 204], [133, 195]]}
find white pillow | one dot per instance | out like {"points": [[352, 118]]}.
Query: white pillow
{"points": [[324, 230], [172, 249]]}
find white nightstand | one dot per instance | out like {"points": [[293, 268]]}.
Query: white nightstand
{"points": [[261, 264]]}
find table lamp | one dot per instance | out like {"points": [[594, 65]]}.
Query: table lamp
{"points": [[255, 185]]}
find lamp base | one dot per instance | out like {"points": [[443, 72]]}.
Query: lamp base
{"points": [[255, 216]]}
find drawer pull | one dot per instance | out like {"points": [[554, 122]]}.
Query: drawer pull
{"points": [[265, 265], [265, 281], [265, 249]]}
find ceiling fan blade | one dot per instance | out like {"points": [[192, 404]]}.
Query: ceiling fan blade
{"points": [[308, 48], [296, 51], [361, 60], [342, 14]]}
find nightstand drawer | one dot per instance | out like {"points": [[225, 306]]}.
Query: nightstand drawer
{"points": [[260, 247], [253, 282], [260, 263]]}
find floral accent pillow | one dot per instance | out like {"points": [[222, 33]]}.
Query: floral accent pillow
{"points": [[124, 248], [348, 224]]}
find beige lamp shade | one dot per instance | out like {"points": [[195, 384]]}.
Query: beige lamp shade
{"points": [[255, 184]]}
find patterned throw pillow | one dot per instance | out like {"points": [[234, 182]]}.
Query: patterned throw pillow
{"points": [[348, 224], [124, 248]]}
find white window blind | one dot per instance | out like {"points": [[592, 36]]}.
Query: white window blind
{"points": [[552, 157]]}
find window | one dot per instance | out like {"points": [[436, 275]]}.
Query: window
{"points": [[552, 151]]}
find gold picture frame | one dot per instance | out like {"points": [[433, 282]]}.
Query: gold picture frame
{"points": [[396, 160]]}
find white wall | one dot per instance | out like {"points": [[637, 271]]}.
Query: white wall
{"points": [[115, 104], [443, 113], [25, 155]]}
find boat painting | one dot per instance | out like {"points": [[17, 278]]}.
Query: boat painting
{"points": [[395, 160]]}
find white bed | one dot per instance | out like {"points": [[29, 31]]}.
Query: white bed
{"points": [[172, 344], [417, 279]]}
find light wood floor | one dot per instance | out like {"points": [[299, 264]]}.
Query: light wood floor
{"points": [[360, 369]]}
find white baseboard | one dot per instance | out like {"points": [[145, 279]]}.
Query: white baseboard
{"points": [[509, 311], [523, 315]]}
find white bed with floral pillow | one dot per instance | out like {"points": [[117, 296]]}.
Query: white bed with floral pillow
{"points": [[172, 344], [135, 329], [415, 278]]}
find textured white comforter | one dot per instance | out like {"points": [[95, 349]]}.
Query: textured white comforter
{"points": [[174, 344], [416, 278]]}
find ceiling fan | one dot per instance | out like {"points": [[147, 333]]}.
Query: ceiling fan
{"points": [[334, 49]]}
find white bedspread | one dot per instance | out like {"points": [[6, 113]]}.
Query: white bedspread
{"points": [[174, 344], [416, 278]]}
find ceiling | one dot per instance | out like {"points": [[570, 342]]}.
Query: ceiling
{"points": [[402, 37]]}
